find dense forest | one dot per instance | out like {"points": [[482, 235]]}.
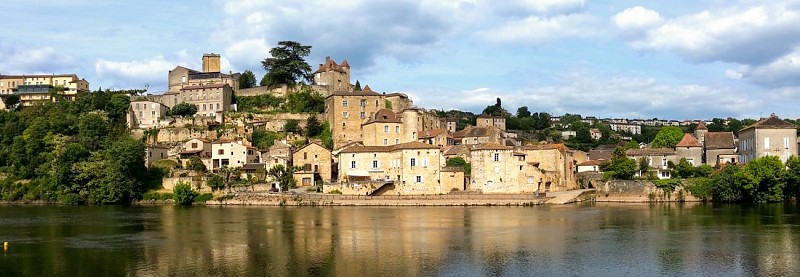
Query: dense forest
{"points": [[72, 152]]}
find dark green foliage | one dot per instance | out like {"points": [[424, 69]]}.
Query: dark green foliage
{"points": [[215, 182], [262, 138], [305, 101], [700, 188], [523, 112], [255, 103], [726, 185], [459, 161], [287, 65], [183, 194], [792, 188], [327, 135], [184, 109], [195, 164], [291, 126], [496, 109], [11, 101], [202, 198], [357, 87], [283, 175], [156, 196], [247, 80], [623, 167], [668, 137], [313, 126]]}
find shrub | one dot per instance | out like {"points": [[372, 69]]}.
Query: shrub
{"points": [[154, 195], [700, 188], [202, 198], [336, 191], [183, 194], [70, 199]]}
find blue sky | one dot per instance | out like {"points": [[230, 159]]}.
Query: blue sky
{"points": [[676, 60]]}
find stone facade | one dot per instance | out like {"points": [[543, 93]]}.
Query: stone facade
{"points": [[154, 153], [690, 149], [768, 137], [334, 76], [399, 102], [485, 120], [230, 153], [416, 121], [316, 163], [383, 129], [557, 163], [500, 169], [146, 114], [347, 111], [181, 77], [658, 159]]}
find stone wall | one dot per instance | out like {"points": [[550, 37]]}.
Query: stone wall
{"points": [[198, 182], [169, 135], [637, 191]]}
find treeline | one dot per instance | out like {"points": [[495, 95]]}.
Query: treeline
{"points": [[306, 100], [72, 152]]}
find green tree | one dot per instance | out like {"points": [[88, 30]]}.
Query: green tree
{"points": [[684, 169], [523, 112], [183, 194], [262, 138], [195, 164], [667, 137], [460, 162], [118, 106], [792, 188], [184, 109], [11, 101], [92, 128], [644, 166], [305, 101], [726, 185], [313, 126], [283, 175], [291, 126], [357, 87], [215, 182], [769, 180], [623, 167], [287, 65], [247, 80]]}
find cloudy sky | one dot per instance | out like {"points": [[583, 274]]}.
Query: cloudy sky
{"points": [[676, 60]]}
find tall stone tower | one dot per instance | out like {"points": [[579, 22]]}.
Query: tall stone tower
{"points": [[335, 76], [700, 132], [211, 63]]}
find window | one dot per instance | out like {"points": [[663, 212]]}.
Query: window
{"points": [[363, 102], [396, 141], [374, 164], [418, 179], [344, 114], [664, 174], [786, 143], [386, 129], [424, 162], [413, 162], [385, 142], [663, 161], [305, 155], [397, 129], [194, 144], [217, 106], [496, 157], [221, 152], [344, 103], [352, 164], [363, 114], [766, 143]]}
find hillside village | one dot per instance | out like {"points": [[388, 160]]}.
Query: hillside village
{"points": [[334, 136]]}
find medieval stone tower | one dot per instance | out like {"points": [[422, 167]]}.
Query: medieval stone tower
{"points": [[335, 76]]}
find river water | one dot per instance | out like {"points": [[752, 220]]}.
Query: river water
{"points": [[574, 240]]}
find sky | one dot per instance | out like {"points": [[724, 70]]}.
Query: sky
{"points": [[622, 59]]}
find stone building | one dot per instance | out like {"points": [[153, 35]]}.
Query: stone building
{"points": [[230, 153], [280, 153], [383, 128], [334, 77], [769, 136], [145, 113], [410, 168], [316, 163], [416, 120], [485, 120], [499, 169], [690, 149], [34, 88], [658, 159], [718, 147], [558, 164], [438, 137], [399, 102], [347, 110], [154, 153], [181, 77]]}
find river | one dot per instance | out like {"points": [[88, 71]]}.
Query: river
{"points": [[602, 239]]}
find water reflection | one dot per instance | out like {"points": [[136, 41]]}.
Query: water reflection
{"points": [[599, 239]]}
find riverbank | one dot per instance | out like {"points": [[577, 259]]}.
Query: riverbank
{"points": [[266, 199]]}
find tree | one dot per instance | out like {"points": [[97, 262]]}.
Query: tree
{"points": [[460, 162], [523, 112], [92, 128], [184, 109], [684, 169], [215, 182], [792, 188], [183, 194], [768, 180], [667, 137], [195, 164], [623, 167], [305, 101], [262, 138], [644, 165], [247, 80], [287, 65], [118, 107], [11, 101], [291, 126], [283, 175], [357, 86], [313, 126], [726, 184], [496, 109]]}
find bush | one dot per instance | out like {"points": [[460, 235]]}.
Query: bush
{"points": [[183, 194], [156, 196], [202, 198], [70, 199], [336, 191], [700, 188]]}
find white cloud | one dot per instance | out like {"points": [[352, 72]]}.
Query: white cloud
{"points": [[749, 32], [43, 60], [540, 29], [246, 54], [784, 71], [151, 72], [636, 19]]}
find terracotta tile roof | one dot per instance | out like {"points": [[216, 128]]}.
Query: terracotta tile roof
{"points": [[558, 146], [601, 154], [719, 140], [701, 126], [413, 145], [331, 65], [355, 93], [474, 132], [431, 133], [771, 122], [191, 152], [204, 87], [401, 95], [491, 146], [383, 116], [688, 140], [313, 142], [455, 150], [483, 115], [650, 151]]}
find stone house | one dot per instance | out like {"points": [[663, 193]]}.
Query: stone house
{"points": [[485, 120], [230, 153], [315, 162], [382, 129], [399, 101], [410, 168], [499, 169], [333, 76], [146, 114], [690, 149], [460, 150], [154, 153], [198, 147], [718, 147], [769, 136], [417, 120], [658, 159], [595, 133], [181, 77], [557, 163], [589, 166], [347, 110], [478, 135], [438, 137], [280, 153]]}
